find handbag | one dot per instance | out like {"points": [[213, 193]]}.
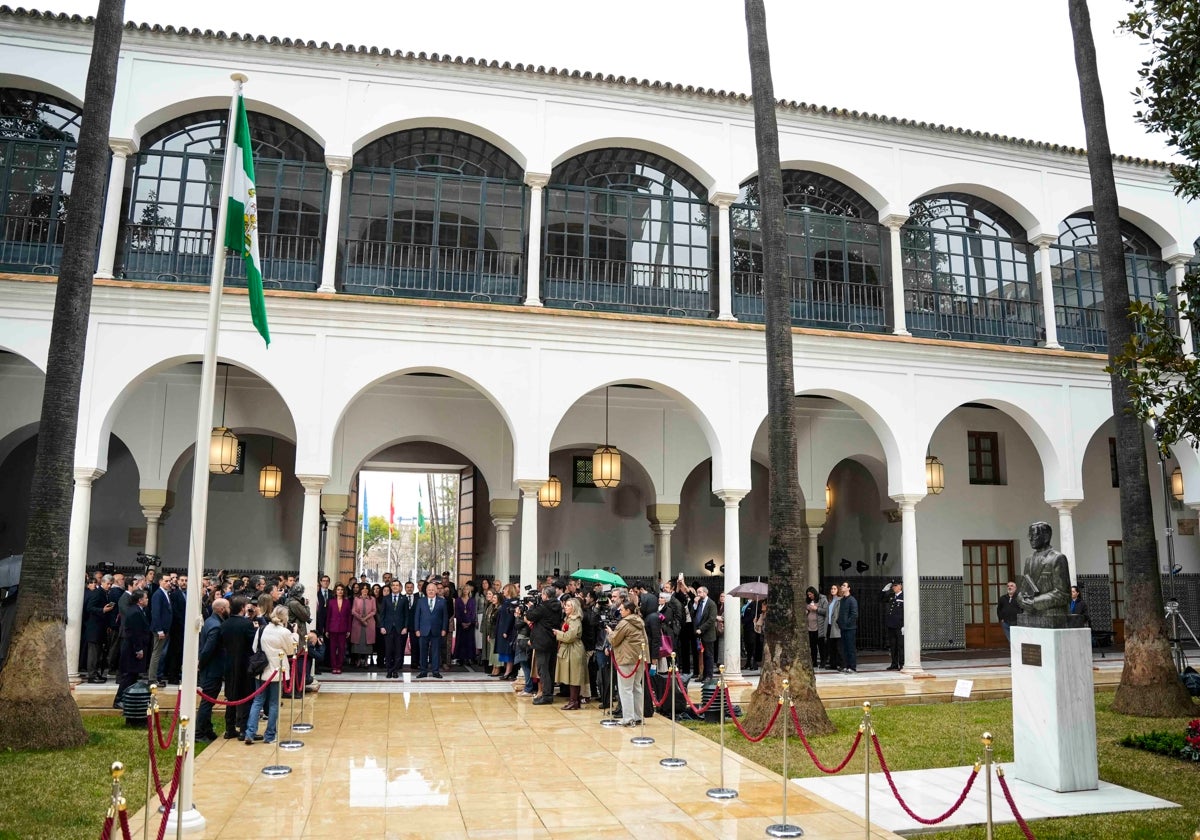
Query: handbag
{"points": [[665, 648], [258, 659]]}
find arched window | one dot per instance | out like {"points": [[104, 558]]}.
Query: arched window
{"points": [[627, 230], [174, 191], [834, 257], [38, 134], [968, 272], [435, 212], [1078, 289]]}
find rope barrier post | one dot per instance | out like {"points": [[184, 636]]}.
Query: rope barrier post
{"points": [[783, 828], [642, 740], [722, 792], [611, 720], [180, 750], [151, 710], [302, 726], [277, 769], [868, 732], [291, 743], [672, 761], [987, 764]]}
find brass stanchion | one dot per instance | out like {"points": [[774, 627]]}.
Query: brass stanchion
{"points": [[291, 743], [783, 828], [672, 761], [277, 769], [302, 726], [118, 800], [987, 766], [867, 731], [642, 740], [180, 750], [151, 708], [722, 792], [611, 720]]}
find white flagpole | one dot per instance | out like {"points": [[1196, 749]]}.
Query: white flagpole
{"points": [[192, 820]]}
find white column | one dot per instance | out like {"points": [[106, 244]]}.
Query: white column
{"points": [[338, 166], [529, 534], [894, 223], [503, 525], [310, 529], [733, 576], [333, 527], [814, 566], [911, 575], [1046, 281], [121, 150], [533, 269], [77, 548], [1066, 533], [153, 518], [1179, 270], [725, 251], [662, 549]]}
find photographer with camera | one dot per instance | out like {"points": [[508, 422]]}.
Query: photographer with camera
{"points": [[522, 646], [629, 646], [544, 618], [608, 615]]}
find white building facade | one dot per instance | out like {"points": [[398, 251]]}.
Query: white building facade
{"points": [[467, 262]]}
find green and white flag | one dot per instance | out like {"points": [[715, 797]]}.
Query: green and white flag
{"points": [[241, 230]]}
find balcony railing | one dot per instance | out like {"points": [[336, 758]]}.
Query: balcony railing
{"points": [[972, 318], [1083, 327], [826, 304], [428, 271], [620, 286], [184, 255], [31, 245]]}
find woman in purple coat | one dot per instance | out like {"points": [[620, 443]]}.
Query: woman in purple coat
{"points": [[464, 626], [337, 625]]}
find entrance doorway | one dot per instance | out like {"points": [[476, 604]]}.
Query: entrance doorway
{"points": [[1116, 575], [987, 567]]}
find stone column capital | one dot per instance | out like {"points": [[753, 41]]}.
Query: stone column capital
{"points": [[152, 514], [334, 504], [122, 146], [1064, 505], [503, 523], [723, 200], [84, 476], [1043, 241], [1178, 260], [333, 520], [662, 514], [312, 483], [731, 497], [536, 180], [530, 486], [894, 221], [908, 501], [338, 164]]}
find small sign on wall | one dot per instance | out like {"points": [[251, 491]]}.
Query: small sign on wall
{"points": [[137, 538], [1186, 527]]}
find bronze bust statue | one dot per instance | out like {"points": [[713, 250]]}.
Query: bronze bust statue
{"points": [[1044, 590]]}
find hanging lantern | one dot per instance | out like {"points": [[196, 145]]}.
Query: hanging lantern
{"points": [[270, 481], [222, 451], [550, 493], [828, 499], [935, 475], [606, 466], [1177, 484]]}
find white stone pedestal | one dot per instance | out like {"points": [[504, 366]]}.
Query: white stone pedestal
{"points": [[1054, 709]]}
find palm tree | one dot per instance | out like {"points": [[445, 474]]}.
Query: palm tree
{"points": [[1149, 685], [36, 706], [785, 639]]}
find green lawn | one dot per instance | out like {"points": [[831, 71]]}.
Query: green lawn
{"points": [[948, 735], [63, 795]]}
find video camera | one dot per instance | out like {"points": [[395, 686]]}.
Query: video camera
{"points": [[150, 561]]}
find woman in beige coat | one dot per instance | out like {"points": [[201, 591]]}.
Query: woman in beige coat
{"points": [[571, 668]]}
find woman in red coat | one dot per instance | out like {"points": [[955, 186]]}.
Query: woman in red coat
{"points": [[337, 625]]}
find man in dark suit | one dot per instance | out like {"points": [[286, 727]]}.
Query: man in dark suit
{"points": [[112, 653], [212, 667], [237, 635], [179, 596], [160, 629], [135, 644], [848, 622], [706, 628], [1008, 608], [393, 624], [430, 627], [95, 627], [545, 617], [895, 626]]}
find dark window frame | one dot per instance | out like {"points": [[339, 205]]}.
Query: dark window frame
{"points": [[975, 469]]}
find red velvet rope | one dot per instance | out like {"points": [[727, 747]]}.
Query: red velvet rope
{"points": [[106, 829], [813, 755], [165, 743], [123, 817], [887, 774], [699, 712], [1013, 807], [753, 739], [162, 826], [622, 674], [658, 704], [245, 699], [154, 766]]}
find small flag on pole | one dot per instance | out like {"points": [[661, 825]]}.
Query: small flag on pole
{"points": [[241, 232], [420, 513]]}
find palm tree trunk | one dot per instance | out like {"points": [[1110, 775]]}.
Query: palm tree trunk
{"points": [[36, 706], [1149, 685], [785, 637]]}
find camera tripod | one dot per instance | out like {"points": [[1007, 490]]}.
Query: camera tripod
{"points": [[1174, 619]]}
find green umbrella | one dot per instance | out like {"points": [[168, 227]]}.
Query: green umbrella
{"points": [[599, 576]]}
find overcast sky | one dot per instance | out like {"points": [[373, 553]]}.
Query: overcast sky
{"points": [[1005, 67]]}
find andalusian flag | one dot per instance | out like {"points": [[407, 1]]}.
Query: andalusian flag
{"points": [[420, 513], [241, 231]]}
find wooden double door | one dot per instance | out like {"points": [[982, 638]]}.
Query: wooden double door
{"points": [[988, 566]]}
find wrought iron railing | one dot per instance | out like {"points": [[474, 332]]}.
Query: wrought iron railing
{"points": [[617, 285], [827, 304], [31, 245], [1083, 327], [184, 255], [973, 318], [430, 271]]}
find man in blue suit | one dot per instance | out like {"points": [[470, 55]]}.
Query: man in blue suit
{"points": [[430, 628], [393, 624], [160, 630]]}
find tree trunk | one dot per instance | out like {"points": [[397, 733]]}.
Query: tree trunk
{"points": [[37, 710], [1149, 685], [785, 639]]}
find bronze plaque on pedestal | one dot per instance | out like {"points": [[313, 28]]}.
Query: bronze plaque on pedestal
{"points": [[1031, 655]]}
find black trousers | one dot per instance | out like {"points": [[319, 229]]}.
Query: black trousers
{"points": [[686, 647], [709, 661], [237, 686], [204, 725], [394, 647], [833, 655], [896, 646], [546, 660]]}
